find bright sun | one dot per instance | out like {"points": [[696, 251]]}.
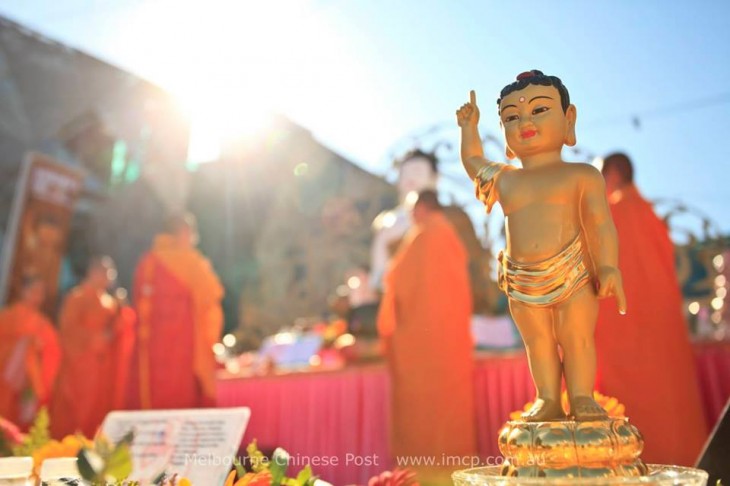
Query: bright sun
{"points": [[227, 62], [232, 63]]}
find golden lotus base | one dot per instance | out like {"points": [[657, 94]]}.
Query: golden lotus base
{"points": [[570, 449]]}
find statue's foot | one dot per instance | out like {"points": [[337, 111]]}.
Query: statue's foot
{"points": [[585, 408], [544, 410]]}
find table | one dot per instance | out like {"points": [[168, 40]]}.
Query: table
{"points": [[330, 418], [339, 420]]}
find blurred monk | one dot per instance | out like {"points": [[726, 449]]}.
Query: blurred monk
{"points": [[424, 323], [178, 300], [645, 358], [94, 327], [29, 355]]}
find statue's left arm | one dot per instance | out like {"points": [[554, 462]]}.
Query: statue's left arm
{"points": [[601, 236]]}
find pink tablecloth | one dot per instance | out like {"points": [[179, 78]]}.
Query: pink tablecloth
{"points": [[338, 421]]}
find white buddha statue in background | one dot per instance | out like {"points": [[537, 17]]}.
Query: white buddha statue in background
{"points": [[417, 171]]}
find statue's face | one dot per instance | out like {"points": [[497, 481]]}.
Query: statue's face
{"points": [[416, 175], [533, 120]]}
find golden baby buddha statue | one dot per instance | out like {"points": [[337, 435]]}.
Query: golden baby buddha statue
{"points": [[561, 256], [561, 241]]}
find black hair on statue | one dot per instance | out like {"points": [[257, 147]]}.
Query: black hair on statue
{"points": [[537, 77]]}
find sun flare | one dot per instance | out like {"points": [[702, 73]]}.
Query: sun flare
{"points": [[231, 64], [227, 64]]}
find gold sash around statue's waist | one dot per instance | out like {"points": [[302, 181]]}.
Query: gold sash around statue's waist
{"points": [[548, 282]]}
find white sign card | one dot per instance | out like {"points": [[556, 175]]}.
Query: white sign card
{"points": [[199, 444]]}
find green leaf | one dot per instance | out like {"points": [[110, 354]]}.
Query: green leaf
{"points": [[279, 465], [159, 478], [304, 475], [119, 463], [38, 435], [127, 439], [84, 463], [240, 470], [259, 462]]}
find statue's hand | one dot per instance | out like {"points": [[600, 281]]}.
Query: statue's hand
{"points": [[610, 283], [468, 114]]}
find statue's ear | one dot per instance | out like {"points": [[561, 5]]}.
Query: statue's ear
{"points": [[572, 115], [509, 153]]}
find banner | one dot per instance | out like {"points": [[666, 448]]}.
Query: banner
{"points": [[36, 236]]}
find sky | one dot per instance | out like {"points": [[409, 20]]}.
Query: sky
{"points": [[367, 76]]}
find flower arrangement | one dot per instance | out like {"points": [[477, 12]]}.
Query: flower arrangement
{"points": [[267, 472], [102, 463], [611, 405], [273, 472], [39, 445]]}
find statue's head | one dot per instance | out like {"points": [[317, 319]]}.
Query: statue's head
{"points": [[536, 115], [418, 171]]}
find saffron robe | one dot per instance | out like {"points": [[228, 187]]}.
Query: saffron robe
{"points": [[93, 332], [424, 319], [29, 359], [177, 296], [645, 358]]}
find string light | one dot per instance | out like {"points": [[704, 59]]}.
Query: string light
{"points": [[229, 340], [719, 263], [694, 308], [717, 303]]}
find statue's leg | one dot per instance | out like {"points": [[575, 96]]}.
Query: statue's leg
{"points": [[536, 327], [575, 323]]}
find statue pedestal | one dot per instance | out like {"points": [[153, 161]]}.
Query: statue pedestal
{"points": [[600, 448], [569, 452], [658, 475]]}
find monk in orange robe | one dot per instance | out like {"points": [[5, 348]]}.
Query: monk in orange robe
{"points": [[29, 355], [178, 300], [424, 321], [124, 342], [645, 358], [93, 328]]}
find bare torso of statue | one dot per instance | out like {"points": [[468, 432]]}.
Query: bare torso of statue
{"points": [[562, 250], [541, 208]]}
